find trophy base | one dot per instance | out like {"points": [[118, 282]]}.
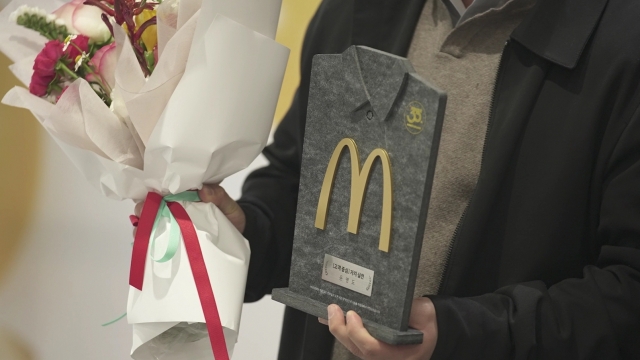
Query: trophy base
{"points": [[319, 309]]}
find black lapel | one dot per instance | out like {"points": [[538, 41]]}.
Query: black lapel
{"points": [[517, 87], [558, 30]]}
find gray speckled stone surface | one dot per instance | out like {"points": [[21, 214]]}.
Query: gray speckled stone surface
{"points": [[346, 89]]}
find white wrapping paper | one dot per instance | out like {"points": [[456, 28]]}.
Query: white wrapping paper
{"points": [[204, 114]]}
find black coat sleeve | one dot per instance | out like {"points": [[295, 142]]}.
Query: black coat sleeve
{"points": [[269, 201], [270, 194], [593, 317]]}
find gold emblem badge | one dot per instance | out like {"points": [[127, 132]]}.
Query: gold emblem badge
{"points": [[413, 117]]}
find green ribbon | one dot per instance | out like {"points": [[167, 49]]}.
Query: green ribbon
{"points": [[115, 321], [174, 231]]}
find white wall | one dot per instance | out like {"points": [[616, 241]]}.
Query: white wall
{"points": [[71, 274]]}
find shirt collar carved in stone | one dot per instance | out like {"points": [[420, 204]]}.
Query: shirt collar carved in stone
{"points": [[373, 96]]}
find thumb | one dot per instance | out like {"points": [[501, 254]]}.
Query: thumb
{"points": [[218, 196]]}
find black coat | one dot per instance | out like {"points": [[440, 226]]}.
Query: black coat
{"points": [[545, 263]]}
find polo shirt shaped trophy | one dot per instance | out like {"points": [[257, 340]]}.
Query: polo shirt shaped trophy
{"points": [[370, 147]]}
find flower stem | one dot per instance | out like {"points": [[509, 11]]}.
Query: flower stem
{"points": [[61, 66], [107, 10], [105, 19], [143, 27], [106, 89], [55, 87]]}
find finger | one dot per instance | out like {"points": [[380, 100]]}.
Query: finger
{"points": [[209, 193], [218, 196], [422, 313], [323, 321], [138, 209], [367, 344], [206, 194], [423, 318], [338, 328]]}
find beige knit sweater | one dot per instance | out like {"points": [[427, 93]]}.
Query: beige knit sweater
{"points": [[462, 61]]}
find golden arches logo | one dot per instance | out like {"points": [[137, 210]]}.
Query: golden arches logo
{"points": [[359, 181]]}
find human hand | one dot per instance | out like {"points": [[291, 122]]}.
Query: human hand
{"points": [[218, 196], [357, 339]]}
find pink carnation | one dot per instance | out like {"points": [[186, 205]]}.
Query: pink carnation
{"points": [[39, 85], [77, 46], [44, 68]]}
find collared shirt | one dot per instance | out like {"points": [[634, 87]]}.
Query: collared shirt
{"points": [[463, 62], [460, 14]]}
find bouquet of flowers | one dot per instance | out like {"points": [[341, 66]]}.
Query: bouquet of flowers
{"points": [[152, 99]]}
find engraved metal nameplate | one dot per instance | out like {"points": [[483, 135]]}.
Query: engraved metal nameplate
{"points": [[347, 275]]}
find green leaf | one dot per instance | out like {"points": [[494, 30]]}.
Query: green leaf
{"points": [[151, 60]]}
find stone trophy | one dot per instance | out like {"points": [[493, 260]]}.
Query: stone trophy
{"points": [[371, 139]]}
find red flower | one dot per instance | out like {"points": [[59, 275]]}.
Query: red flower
{"points": [[45, 63], [44, 68], [77, 46], [39, 85]]}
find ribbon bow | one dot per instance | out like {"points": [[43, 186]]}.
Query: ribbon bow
{"points": [[174, 230], [156, 208]]}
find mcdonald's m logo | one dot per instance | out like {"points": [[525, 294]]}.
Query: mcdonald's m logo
{"points": [[359, 182]]}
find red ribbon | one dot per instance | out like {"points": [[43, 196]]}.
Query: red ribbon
{"points": [[196, 260]]}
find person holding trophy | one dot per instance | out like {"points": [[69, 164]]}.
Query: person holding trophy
{"points": [[531, 246]]}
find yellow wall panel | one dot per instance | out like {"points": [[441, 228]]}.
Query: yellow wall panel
{"points": [[19, 153], [294, 19]]}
